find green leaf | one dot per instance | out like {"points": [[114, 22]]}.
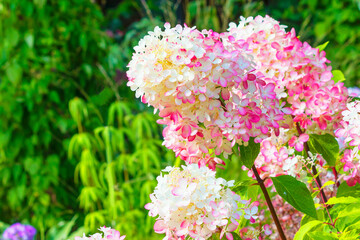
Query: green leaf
{"points": [[348, 216], [343, 200], [305, 229], [345, 190], [306, 218], [321, 236], [328, 183], [322, 46], [326, 145], [295, 193], [236, 236], [14, 73], [338, 76], [242, 186], [249, 153]]}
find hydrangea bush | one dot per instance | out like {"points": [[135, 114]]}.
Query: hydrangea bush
{"points": [[260, 95]]}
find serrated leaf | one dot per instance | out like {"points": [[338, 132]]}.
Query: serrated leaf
{"points": [[343, 200], [249, 153], [305, 229], [295, 193], [338, 76], [326, 145]]}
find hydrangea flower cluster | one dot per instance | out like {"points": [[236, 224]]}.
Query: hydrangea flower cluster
{"points": [[349, 134], [207, 90], [215, 90], [193, 202], [18, 231], [299, 72], [107, 234]]}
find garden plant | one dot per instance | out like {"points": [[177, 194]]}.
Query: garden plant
{"points": [[258, 95], [245, 131]]}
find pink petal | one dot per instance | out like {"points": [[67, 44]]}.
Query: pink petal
{"points": [[303, 137], [229, 236], [159, 226], [275, 45], [292, 141], [299, 146], [185, 132]]}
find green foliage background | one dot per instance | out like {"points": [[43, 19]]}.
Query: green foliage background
{"points": [[77, 151]]}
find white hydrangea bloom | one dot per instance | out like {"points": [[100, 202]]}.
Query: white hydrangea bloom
{"points": [[193, 202]]}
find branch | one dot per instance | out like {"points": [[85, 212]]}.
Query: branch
{"points": [[269, 203]]}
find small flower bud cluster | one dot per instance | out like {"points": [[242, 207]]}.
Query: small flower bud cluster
{"points": [[193, 202], [349, 134], [107, 233]]}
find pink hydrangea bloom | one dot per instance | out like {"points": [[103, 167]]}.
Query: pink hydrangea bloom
{"points": [[107, 233], [299, 72], [193, 202], [349, 135]]}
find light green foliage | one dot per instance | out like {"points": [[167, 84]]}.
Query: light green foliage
{"points": [[301, 234], [72, 140], [117, 166], [345, 223], [295, 193], [338, 76]]}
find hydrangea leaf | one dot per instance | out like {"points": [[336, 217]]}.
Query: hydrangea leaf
{"points": [[326, 145], [345, 190], [295, 193], [249, 153], [348, 216], [321, 236], [343, 200], [338, 76], [301, 234]]}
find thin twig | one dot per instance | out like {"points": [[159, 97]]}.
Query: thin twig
{"points": [[109, 81], [327, 210], [314, 171]]}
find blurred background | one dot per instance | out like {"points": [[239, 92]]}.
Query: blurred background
{"points": [[77, 150]]}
